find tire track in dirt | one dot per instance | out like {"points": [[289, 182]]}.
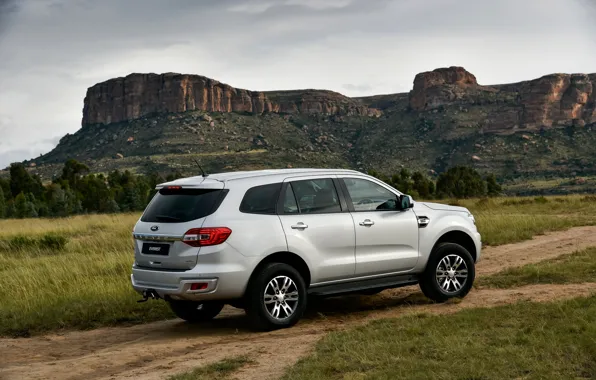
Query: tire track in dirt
{"points": [[153, 351]]}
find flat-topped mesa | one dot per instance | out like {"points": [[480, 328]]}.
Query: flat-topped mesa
{"points": [[138, 95]]}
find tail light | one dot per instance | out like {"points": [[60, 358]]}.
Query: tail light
{"points": [[201, 237]]}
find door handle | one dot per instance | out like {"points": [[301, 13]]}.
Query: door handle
{"points": [[367, 223], [299, 226]]}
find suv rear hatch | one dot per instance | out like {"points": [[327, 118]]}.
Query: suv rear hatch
{"points": [[167, 235]]}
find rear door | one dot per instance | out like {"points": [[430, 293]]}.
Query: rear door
{"points": [[318, 226], [386, 238], [171, 213]]}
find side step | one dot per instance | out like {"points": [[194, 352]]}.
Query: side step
{"points": [[361, 285]]}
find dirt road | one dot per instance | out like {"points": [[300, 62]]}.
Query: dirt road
{"points": [[156, 350]]}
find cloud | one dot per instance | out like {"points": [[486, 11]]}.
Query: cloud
{"points": [[360, 88], [53, 50]]}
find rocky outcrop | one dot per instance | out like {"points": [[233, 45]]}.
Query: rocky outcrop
{"points": [[138, 95], [551, 101], [439, 87]]}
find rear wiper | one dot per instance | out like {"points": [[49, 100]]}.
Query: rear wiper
{"points": [[166, 218]]}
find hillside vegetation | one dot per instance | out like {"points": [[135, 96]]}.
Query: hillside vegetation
{"points": [[428, 142]]}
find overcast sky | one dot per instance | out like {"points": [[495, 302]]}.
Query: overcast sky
{"points": [[51, 51]]}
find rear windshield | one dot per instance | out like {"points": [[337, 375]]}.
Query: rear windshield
{"points": [[183, 205]]}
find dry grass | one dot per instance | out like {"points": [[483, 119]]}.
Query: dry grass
{"points": [[86, 284]]}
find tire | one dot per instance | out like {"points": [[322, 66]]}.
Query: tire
{"points": [[289, 309], [194, 311], [444, 257]]}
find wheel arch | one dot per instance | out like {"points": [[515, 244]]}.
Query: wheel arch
{"points": [[285, 257], [460, 238]]}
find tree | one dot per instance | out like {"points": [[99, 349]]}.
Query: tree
{"points": [[461, 182], [5, 186], [2, 204], [95, 194], [24, 208], [22, 182], [492, 186], [423, 185], [11, 211], [73, 169], [174, 176]]}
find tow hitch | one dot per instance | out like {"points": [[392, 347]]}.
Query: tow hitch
{"points": [[149, 293]]}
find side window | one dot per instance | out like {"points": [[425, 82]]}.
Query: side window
{"points": [[315, 196], [369, 196], [261, 199]]}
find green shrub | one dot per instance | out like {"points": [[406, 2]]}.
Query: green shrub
{"points": [[48, 241], [53, 241], [517, 202], [21, 242], [540, 199]]}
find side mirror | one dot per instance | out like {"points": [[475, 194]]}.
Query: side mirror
{"points": [[405, 202]]}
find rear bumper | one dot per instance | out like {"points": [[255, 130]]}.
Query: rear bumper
{"points": [[182, 289], [177, 284]]}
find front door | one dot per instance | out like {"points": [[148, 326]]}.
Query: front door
{"points": [[386, 238], [318, 228]]}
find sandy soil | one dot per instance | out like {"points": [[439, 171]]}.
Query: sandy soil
{"points": [[153, 351]]}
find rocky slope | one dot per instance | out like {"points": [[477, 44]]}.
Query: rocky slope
{"points": [[544, 128]]}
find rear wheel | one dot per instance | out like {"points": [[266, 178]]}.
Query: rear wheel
{"points": [[276, 297], [194, 312], [449, 273]]}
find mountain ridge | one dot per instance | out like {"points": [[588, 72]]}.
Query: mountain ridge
{"points": [[543, 128]]}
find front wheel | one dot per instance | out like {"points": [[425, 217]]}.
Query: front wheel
{"points": [[194, 312], [276, 297], [449, 273]]}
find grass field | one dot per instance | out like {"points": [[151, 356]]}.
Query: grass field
{"points": [[510, 220], [85, 284], [74, 272], [579, 267], [521, 341]]}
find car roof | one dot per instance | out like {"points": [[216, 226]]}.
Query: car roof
{"points": [[240, 175]]}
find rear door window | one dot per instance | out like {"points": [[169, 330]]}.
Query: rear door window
{"points": [[314, 196], [182, 205], [261, 199]]}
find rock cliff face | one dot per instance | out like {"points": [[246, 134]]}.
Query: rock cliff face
{"points": [[551, 101], [439, 87], [138, 95]]}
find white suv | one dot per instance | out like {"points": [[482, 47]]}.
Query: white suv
{"points": [[267, 240]]}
